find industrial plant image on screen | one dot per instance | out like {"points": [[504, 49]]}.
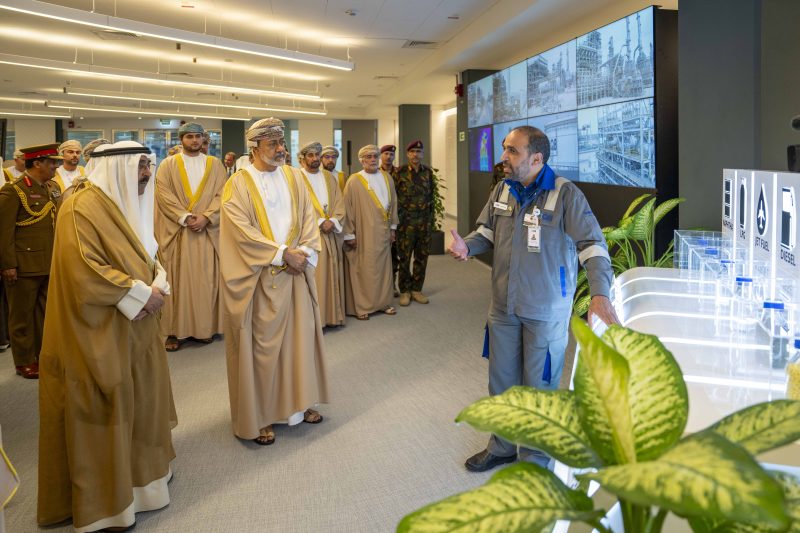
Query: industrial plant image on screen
{"points": [[615, 62], [510, 93], [480, 102], [616, 144], [480, 149], [551, 81], [500, 132], [562, 130]]}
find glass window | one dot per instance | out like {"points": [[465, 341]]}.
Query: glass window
{"points": [[10, 146], [84, 137], [215, 144], [160, 141], [337, 142], [294, 147], [125, 135]]}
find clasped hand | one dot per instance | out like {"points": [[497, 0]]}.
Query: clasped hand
{"points": [[197, 223], [153, 304], [296, 261]]}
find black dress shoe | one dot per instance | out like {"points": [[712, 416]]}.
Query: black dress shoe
{"points": [[483, 461]]}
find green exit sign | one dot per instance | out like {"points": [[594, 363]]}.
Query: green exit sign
{"points": [[165, 121]]}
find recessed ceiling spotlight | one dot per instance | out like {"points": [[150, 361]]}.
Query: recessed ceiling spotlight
{"points": [[81, 118]]}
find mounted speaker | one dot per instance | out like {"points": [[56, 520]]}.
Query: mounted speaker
{"points": [[793, 157]]}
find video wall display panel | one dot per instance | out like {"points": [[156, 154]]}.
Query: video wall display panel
{"points": [[616, 144], [592, 96], [500, 132], [562, 130], [551, 81], [615, 62], [511, 93], [480, 144], [480, 102]]}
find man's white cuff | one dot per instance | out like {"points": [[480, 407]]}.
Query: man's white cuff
{"points": [[311, 255], [278, 259], [349, 236], [134, 301], [182, 220], [337, 226]]}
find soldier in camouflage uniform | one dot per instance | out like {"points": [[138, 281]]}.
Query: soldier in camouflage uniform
{"points": [[387, 165], [27, 221], [415, 192]]}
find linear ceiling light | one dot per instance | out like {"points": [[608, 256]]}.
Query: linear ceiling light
{"points": [[206, 104], [23, 114], [97, 20], [66, 105], [94, 71]]}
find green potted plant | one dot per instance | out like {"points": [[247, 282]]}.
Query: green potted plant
{"points": [[437, 236], [623, 427], [630, 244]]}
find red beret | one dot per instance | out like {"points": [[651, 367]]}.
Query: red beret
{"points": [[414, 144], [388, 148]]}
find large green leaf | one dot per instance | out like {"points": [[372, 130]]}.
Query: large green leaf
{"points": [[703, 475], [664, 208], [581, 305], [643, 225], [522, 497], [659, 401], [762, 427], [791, 491], [544, 420], [634, 204], [601, 388]]}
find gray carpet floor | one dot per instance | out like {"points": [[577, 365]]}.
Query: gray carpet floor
{"points": [[387, 446]]}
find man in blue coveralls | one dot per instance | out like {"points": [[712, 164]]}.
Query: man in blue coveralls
{"points": [[540, 226]]}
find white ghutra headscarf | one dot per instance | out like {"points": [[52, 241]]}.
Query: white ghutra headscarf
{"points": [[116, 173]]}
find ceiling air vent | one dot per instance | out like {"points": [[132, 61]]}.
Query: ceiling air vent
{"points": [[367, 96], [115, 35], [429, 45], [206, 94], [31, 93], [386, 77], [178, 74]]}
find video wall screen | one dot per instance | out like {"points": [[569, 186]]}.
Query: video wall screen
{"points": [[593, 98], [480, 101], [480, 149]]}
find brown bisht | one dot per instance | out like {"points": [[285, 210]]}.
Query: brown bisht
{"points": [[191, 259], [368, 267], [105, 400], [273, 332]]}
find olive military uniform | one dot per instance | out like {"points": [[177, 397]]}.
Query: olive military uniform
{"points": [[27, 219], [415, 191]]}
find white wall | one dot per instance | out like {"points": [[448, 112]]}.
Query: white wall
{"points": [[315, 130], [30, 132], [389, 127], [442, 154]]}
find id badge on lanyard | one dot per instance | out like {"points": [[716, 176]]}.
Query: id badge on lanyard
{"points": [[531, 222]]}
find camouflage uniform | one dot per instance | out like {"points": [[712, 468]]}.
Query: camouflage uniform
{"points": [[415, 212]]}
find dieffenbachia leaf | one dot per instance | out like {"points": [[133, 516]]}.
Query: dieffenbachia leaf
{"points": [[763, 426], [642, 227], [791, 492], [522, 497], [601, 389], [665, 207], [634, 204], [659, 401], [544, 420], [703, 475]]}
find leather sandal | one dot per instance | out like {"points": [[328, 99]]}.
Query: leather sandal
{"points": [[390, 311], [173, 344], [266, 437], [312, 417], [365, 316]]}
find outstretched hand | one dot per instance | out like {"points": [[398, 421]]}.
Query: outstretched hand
{"points": [[458, 248], [601, 307]]}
